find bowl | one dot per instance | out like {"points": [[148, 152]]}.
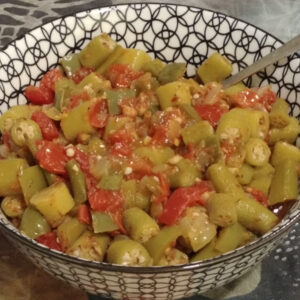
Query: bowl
{"points": [[171, 33]]}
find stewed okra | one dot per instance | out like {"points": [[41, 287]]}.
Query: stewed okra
{"points": [[120, 158]]}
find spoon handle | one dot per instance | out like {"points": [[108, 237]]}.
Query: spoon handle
{"points": [[283, 51]]}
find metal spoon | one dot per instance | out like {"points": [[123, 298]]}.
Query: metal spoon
{"points": [[281, 52]]}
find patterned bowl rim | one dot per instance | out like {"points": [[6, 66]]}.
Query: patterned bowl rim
{"points": [[279, 230]]}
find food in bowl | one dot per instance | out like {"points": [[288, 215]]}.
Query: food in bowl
{"points": [[120, 158]]}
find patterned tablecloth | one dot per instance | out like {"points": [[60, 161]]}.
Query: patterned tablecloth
{"points": [[277, 278]]}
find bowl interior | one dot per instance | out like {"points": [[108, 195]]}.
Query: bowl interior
{"points": [[168, 32]]}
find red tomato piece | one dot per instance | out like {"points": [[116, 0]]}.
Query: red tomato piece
{"points": [[98, 114], [140, 168], [246, 98], [121, 76], [267, 99], [164, 189], [38, 95], [81, 73], [182, 198], [49, 79], [211, 112], [120, 142], [52, 157], [50, 240], [84, 214], [258, 195], [6, 139], [77, 99], [48, 128]]}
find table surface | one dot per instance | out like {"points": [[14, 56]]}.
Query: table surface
{"points": [[277, 278]]}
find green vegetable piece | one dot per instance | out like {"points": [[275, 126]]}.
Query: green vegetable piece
{"points": [[154, 66], [223, 180], [13, 114], [166, 238], [114, 97], [257, 152], [284, 184], [96, 146], [69, 231], [117, 52], [221, 209], [49, 202], [63, 89], [70, 64], [186, 175], [140, 226], [10, 170], [77, 180], [103, 222], [173, 257], [13, 206], [111, 182], [197, 132], [128, 190], [24, 131], [171, 72], [97, 51], [254, 216], [90, 246], [245, 174], [197, 230], [77, 121], [134, 58], [207, 252], [157, 155], [215, 68], [283, 151], [280, 105], [173, 93], [33, 224], [50, 177], [93, 82], [115, 123], [32, 181], [232, 237], [235, 89], [127, 252], [190, 112]]}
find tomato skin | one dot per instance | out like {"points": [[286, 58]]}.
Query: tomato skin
{"points": [[121, 76], [47, 126], [49, 239], [49, 79], [38, 95], [52, 157], [98, 114], [81, 73], [84, 214], [246, 98], [211, 112], [182, 198]]}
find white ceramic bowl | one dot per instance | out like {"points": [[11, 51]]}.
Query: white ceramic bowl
{"points": [[171, 33]]}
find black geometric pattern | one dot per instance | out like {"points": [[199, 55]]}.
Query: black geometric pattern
{"points": [[168, 32]]}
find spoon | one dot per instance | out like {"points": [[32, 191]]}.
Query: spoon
{"points": [[281, 52]]}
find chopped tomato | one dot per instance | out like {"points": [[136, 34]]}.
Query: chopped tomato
{"points": [[84, 214], [267, 99], [191, 151], [98, 114], [121, 76], [245, 98], [182, 198], [120, 142], [140, 168], [160, 135], [50, 240], [77, 99], [258, 195], [38, 95], [52, 157], [211, 112], [48, 128], [49, 79], [81, 73]]}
